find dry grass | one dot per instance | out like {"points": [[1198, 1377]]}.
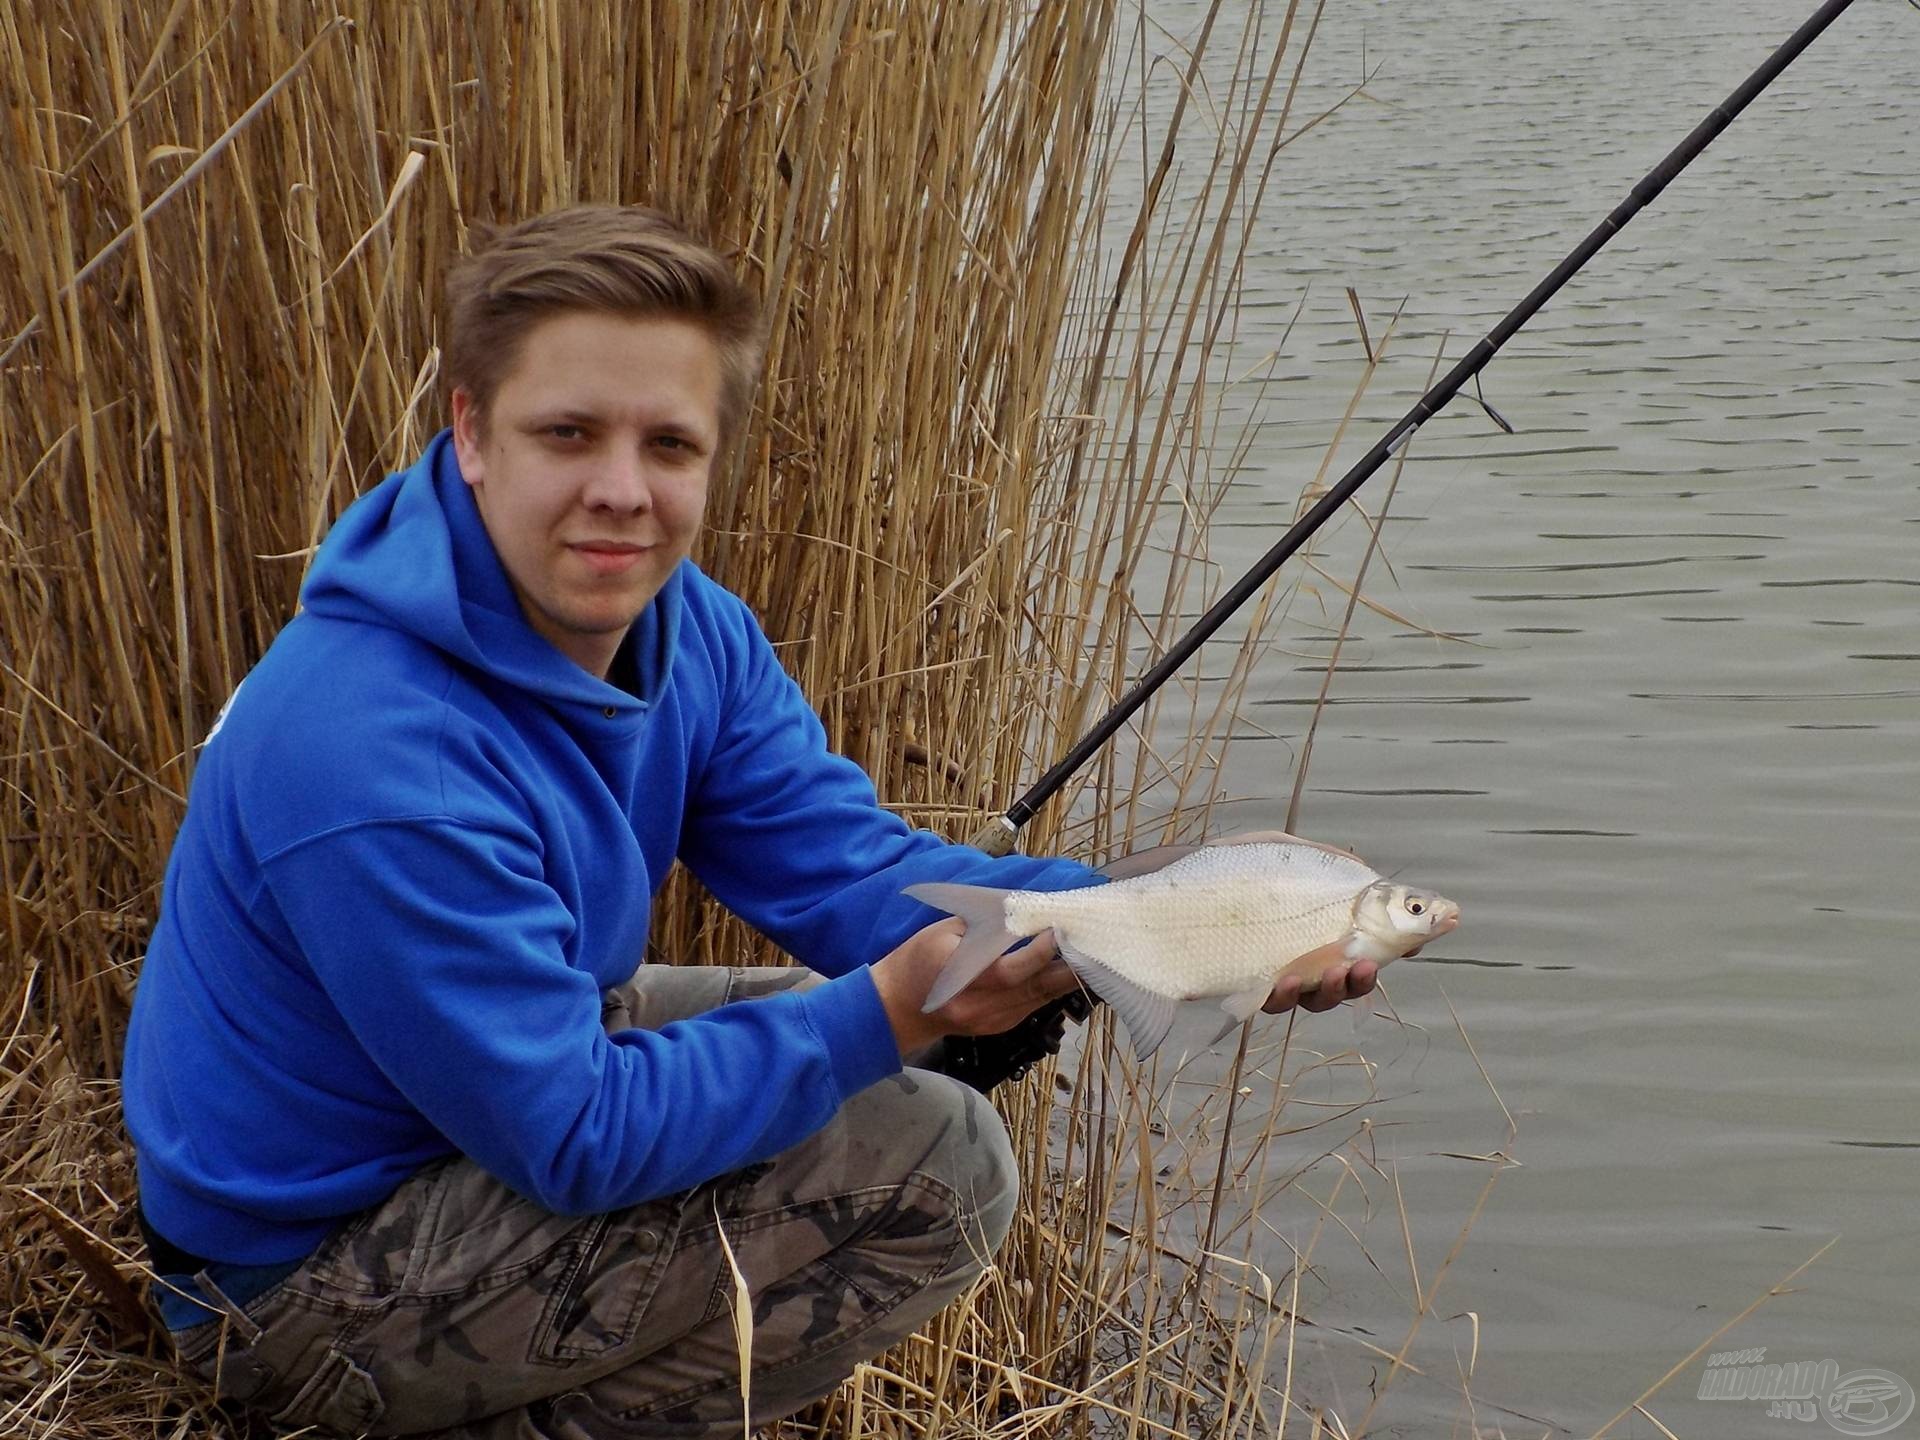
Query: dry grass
{"points": [[975, 492]]}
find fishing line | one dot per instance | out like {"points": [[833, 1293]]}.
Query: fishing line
{"points": [[1000, 834]]}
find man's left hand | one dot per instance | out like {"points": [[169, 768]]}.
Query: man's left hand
{"points": [[1342, 982]]}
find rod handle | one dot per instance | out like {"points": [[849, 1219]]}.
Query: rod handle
{"points": [[997, 837]]}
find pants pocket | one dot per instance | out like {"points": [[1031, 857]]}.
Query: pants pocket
{"points": [[340, 1396], [611, 1285], [375, 1254], [236, 1374]]}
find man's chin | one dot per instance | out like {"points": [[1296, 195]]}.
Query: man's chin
{"points": [[606, 624], [593, 620], [606, 611]]}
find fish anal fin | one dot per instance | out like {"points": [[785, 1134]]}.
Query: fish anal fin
{"points": [[1147, 1016], [1242, 1006]]}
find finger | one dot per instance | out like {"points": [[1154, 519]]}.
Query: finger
{"points": [[1310, 966], [1333, 989], [1286, 995], [996, 1011], [1066, 982], [1017, 967], [1362, 978], [1051, 983]]}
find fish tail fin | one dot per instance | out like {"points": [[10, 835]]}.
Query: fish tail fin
{"points": [[984, 908]]}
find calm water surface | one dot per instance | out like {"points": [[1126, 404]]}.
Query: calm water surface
{"points": [[1675, 776]]}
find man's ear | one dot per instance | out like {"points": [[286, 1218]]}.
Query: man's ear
{"points": [[469, 427]]}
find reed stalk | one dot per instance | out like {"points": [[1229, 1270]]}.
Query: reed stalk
{"points": [[975, 492]]}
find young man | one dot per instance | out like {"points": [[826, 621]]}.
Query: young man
{"points": [[419, 1149]]}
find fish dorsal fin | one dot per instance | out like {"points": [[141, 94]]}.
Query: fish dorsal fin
{"points": [[1281, 837], [1144, 862], [1147, 1016], [1299, 858]]}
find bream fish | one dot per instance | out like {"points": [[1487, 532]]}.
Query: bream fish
{"points": [[1226, 920]]}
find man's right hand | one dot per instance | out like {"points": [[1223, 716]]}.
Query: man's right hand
{"points": [[1008, 991]]}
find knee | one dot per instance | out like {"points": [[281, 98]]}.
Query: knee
{"points": [[968, 1157]]}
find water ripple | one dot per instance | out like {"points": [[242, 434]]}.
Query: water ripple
{"points": [[1592, 834], [1593, 595], [1770, 696], [1589, 565]]}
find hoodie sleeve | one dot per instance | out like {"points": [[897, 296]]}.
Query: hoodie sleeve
{"points": [[792, 838], [442, 949]]}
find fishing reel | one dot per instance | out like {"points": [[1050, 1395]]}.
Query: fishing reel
{"points": [[984, 1061]]}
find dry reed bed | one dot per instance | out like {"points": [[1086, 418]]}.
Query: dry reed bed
{"points": [[977, 481]]}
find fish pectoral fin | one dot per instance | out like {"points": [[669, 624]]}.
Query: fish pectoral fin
{"points": [[1240, 1009], [1147, 1016], [1359, 947]]}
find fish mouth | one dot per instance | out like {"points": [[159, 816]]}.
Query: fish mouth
{"points": [[1446, 922]]}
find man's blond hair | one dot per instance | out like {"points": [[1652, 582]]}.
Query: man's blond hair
{"points": [[611, 259]]}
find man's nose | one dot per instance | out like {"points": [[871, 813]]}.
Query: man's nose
{"points": [[621, 482]]}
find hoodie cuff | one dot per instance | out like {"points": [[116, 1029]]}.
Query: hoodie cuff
{"points": [[852, 1025]]}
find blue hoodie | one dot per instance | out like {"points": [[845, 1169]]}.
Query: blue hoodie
{"points": [[421, 842]]}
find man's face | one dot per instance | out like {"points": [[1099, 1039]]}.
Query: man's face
{"points": [[591, 474]]}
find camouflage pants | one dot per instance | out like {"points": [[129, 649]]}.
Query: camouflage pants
{"points": [[459, 1309]]}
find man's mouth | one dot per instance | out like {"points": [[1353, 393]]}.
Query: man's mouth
{"points": [[609, 557]]}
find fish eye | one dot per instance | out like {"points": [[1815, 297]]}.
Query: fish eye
{"points": [[1416, 907]]}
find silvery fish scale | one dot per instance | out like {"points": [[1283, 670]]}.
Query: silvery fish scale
{"points": [[1223, 921]]}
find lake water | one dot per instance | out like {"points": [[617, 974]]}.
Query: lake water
{"points": [[1675, 776]]}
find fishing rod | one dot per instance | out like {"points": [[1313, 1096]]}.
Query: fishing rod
{"points": [[999, 835]]}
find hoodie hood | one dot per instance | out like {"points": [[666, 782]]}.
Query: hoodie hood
{"points": [[413, 555]]}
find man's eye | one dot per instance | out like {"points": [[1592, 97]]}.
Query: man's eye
{"points": [[564, 432]]}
